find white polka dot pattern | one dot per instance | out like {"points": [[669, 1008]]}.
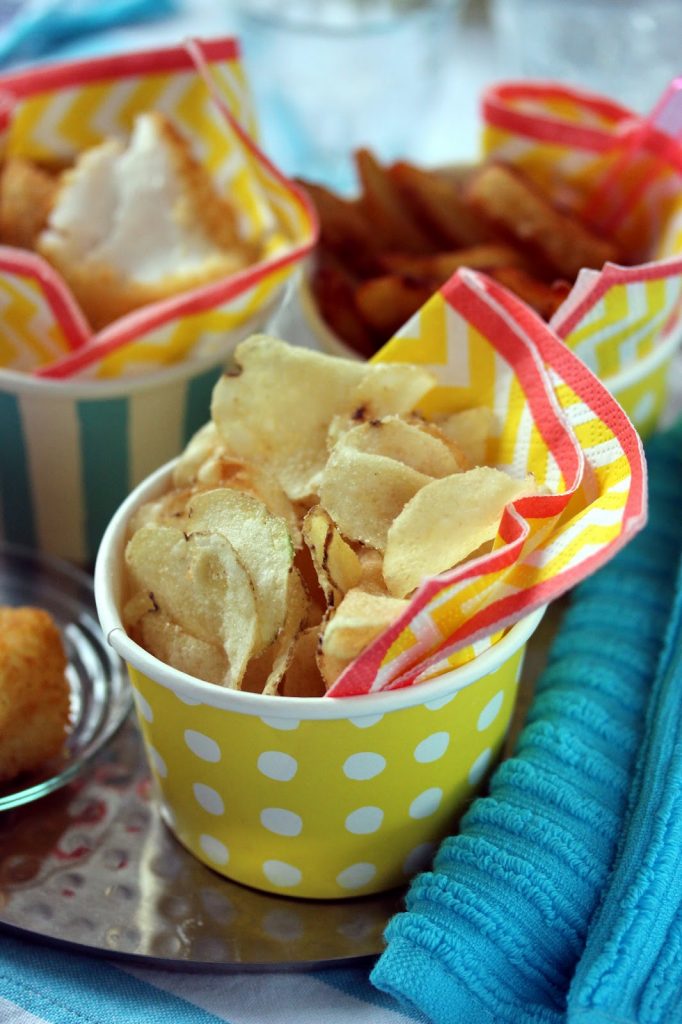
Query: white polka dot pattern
{"points": [[214, 849], [427, 803], [283, 724], [364, 820], [203, 746], [432, 748], [282, 874], [281, 822], [357, 875], [365, 721], [208, 798], [490, 712], [144, 707], [158, 763], [419, 858], [364, 765], [277, 766], [480, 766]]}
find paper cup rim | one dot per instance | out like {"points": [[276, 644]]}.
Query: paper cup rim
{"points": [[107, 582], [69, 388]]}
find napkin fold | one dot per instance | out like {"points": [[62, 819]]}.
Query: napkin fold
{"points": [[41, 26], [495, 932]]}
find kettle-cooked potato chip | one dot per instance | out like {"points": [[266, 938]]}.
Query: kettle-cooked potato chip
{"points": [[407, 442], [283, 427], [264, 673], [337, 565], [358, 620], [199, 583], [446, 521], [263, 547], [364, 493]]}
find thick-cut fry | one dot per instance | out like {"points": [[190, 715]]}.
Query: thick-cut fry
{"points": [[556, 240], [437, 198], [335, 291], [393, 224], [387, 302], [440, 266]]}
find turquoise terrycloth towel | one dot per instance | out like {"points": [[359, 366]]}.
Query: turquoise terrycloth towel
{"points": [[493, 934], [40, 27], [631, 970]]}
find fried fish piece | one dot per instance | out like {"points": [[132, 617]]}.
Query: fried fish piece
{"points": [[34, 690], [138, 222]]}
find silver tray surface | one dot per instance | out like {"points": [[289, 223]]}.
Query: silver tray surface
{"points": [[93, 867]]}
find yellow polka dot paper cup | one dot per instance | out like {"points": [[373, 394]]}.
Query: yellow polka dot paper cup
{"points": [[307, 796], [347, 794]]}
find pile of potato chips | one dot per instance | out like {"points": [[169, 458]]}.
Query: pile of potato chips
{"points": [[304, 516]]}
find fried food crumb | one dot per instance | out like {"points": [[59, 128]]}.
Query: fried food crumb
{"points": [[34, 690]]}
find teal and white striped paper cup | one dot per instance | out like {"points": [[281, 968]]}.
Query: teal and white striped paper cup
{"points": [[71, 450]]}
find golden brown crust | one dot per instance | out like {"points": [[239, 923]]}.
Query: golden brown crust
{"points": [[34, 690], [27, 192]]}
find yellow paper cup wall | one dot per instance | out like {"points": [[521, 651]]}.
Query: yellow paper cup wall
{"points": [[312, 797]]}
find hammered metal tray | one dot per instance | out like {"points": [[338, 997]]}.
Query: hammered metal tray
{"points": [[93, 867]]}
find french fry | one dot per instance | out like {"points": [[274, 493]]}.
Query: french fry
{"points": [[555, 240], [386, 302], [335, 291], [442, 265], [438, 199], [391, 221]]}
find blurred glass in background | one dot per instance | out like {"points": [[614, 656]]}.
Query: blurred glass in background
{"points": [[329, 76], [627, 50]]}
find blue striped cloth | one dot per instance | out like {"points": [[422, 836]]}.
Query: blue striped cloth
{"points": [[500, 927], [40, 984]]}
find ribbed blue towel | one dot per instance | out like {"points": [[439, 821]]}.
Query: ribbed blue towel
{"points": [[494, 933], [40, 28], [631, 970]]}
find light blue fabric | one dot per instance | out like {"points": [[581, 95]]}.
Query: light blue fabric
{"points": [[494, 933], [631, 970], [42, 28]]}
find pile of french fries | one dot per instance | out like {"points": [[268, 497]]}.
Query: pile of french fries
{"points": [[385, 252]]}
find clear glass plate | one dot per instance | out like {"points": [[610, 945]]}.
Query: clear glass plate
{"points": [[100, 693]]}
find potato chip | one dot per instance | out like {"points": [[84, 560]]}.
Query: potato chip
{"points": [[363, 493], [470, 429], [262, 544], [337, 565], [264, 673], [276, 410], [302, 678], [445, 522], [198, 583], [411, 443], [170, 643], [358, 620], [206, 463]]}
